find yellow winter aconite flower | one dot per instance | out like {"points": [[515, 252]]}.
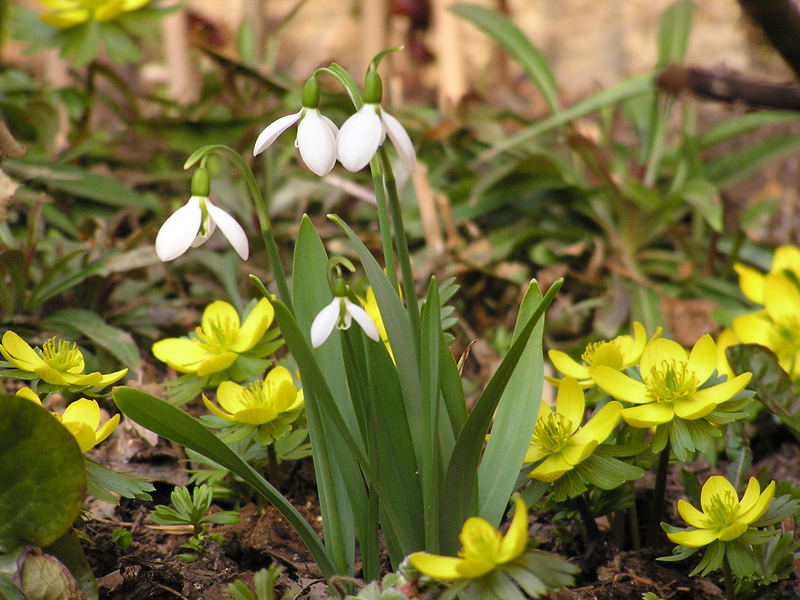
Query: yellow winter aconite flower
{"points": [[28, 394], [265, 408], [724, 517], [69, 13], [483, 548], [671, 383], [218, 341], [558, 440], [82, 419], [620, 353], [777, 326], [725, 339], [57, 362], [785, 263]]}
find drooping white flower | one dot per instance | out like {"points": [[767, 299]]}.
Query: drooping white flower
{"points": [[194, 222], [339, 313], [316, 133], [366, 130]]}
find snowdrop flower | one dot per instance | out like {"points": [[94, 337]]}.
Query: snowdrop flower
{"points": [[316, 133], [365, 131], [193, 223], [339, 313]]}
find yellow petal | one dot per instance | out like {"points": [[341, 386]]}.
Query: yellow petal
{"points": [[254, 327], [83, 411], [731, 532], [722, 392], [28, 394], [633, 352], [181, 354], [213, 408], [619, 385], [703, 358], [516, 537], [107, 429], [130, 5], [754, 328], [781, 298], [570, 402], [566, 365], [716, 485], [760, 507], [88, 379], [109, 10], [217, 363], [50, 375], [648, 415], [229, 396], [660, 350], [694, 538], [82, 433], [750, 496], [726, 339], [445, 568], [599, 426], [691, 515], [576, 453], [479, 540], [751, 282], [219, 313], [693, 407], [786, 258], [66, 19], [19, 353], [551, 468], [110, 378], [256, 415]]}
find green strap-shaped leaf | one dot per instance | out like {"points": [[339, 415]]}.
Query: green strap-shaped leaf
{"points": [[673, 33], [732, 167], [461, 474], [179, 427], [519, 47], [515, 418]]}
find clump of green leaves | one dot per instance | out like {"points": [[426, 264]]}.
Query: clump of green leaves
{"points": [[192, 509], [263, 584]]}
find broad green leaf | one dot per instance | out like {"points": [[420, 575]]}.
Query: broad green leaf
{"points": [[606, 472], [175, 425], [770, 382], [641, 84], [519, 47], [515, 418], [673, 33], [734, 166], [44, 479], [118, 342], [460, 477], [68, 550], [119, 45]]}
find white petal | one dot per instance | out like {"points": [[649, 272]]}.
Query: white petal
{"points": [[273, 130], [207, 227], [400, 139], [324, 322], [317, 143], [179, 230], [363, 319], [230, 228], [330, 124], [359, 138]]}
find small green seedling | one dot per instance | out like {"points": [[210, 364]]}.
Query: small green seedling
{"points": [[193, 510], [263, 583]]}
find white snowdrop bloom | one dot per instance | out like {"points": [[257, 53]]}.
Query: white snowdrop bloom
{"points": [[365, 131], [192, 224], [316, 133], [339, 313]]}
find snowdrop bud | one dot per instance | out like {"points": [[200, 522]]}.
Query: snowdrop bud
{"points": [[201, 183], [311, 93], [373, 88]]}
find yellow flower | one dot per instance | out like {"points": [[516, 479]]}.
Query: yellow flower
{"points": [[777, 326], [671, 382], [558, 439], [271, 405], [82, 419], [483, 548], [724, 517], [28, 394], [725, 339], [785, 262], [58, 362], [620, 353], [69, 13], [218, 341]]}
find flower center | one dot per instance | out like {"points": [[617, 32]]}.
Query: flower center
{"points": [[603, 353], [220, 334], [670, 381], [552, 432], [721, 511], [253, 395], [61, 355]]}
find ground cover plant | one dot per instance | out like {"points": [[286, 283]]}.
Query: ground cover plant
{"points": [[313, 382]]}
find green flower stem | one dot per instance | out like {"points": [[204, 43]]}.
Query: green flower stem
{"points": [[730, 583], [657, 508], [401, 241], [383, 220], [589, 524], [262, 209], [633, 520], [272, 457]]}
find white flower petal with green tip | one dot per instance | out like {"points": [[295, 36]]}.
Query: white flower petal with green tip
{"points": [[400, 140], [325, 322], [359, 138], [179, 231], [363, 319], [316, 140], [230, 228], [273, 130]]}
